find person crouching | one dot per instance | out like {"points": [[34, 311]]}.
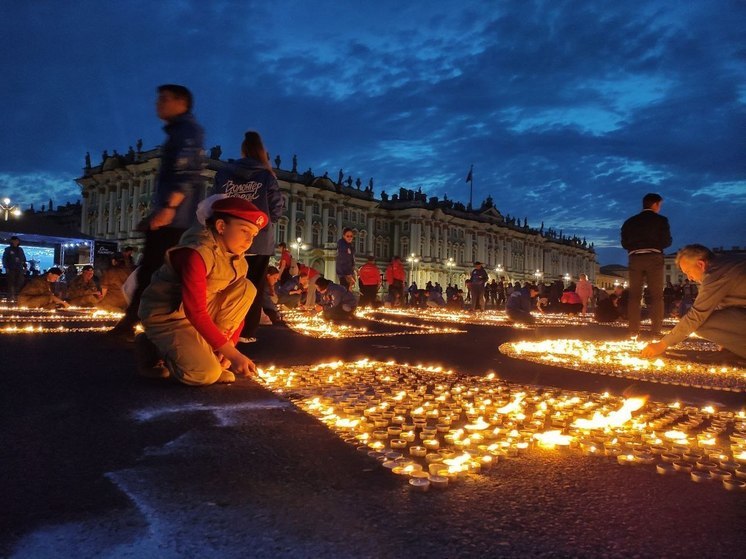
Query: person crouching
{"points": [[194, 307], [337, 303]]}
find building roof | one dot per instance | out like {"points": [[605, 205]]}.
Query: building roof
{"points": [[37, 229]]}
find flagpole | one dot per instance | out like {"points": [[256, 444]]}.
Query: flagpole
{"points": [[471, 185]]}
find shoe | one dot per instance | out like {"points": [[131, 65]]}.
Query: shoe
{"points": [[149, 361], [157, 371], [243, 340], [226, 377]]}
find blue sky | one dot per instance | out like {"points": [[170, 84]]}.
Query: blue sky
{"points": [[569, 111]]}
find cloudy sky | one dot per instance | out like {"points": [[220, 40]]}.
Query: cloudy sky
{"points": [[569, 111]]}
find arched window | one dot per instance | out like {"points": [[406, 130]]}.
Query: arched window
{"points": [[299, 227], [316, 235], [404, 246], [461, 254], [331, 234], [300, 206], [316, 208], [281, 231], [361, 244]]}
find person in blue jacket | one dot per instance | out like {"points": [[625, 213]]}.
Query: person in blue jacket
{"points": [[346, 259], [336, 302], [253, 179], [519, 305]]}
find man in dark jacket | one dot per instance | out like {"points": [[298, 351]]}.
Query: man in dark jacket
{"points": [[478, 278], [645, 236], [518, 308], [14, 261], [177, 190]]}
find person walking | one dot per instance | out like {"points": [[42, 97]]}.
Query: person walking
{"points": [[14, 262], [176, 193], [253, 179], [645, 236]]}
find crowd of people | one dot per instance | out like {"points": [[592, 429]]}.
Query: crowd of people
{"points": [[206, 279]]}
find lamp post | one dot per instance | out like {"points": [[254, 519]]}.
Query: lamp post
{"points": [[567, 279], [449, 265], [412, 259], [9, 209], [538, 274], [298, 246]]}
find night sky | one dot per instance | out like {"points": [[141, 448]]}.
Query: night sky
{"points": [[569, 111]]}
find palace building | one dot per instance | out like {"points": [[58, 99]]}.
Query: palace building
{"points": [[437, 239]]}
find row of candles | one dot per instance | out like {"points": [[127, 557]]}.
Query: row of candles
{"points": [[621, 358], [20, 320], [315, 325], [434, 427]]}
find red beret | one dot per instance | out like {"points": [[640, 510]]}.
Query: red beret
{"points": [[242, 209]]}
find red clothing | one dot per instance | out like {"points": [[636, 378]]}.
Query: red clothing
{"points": [[286, 258], [369, 274], [571, 298], [189, 265], [395, 271], [312, 272]]}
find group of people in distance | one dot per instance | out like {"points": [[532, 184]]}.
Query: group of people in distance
{"points": [[82, 289]]}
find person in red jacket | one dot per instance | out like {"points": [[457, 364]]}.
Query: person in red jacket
{"points": [[370, 280], [396, 277]]}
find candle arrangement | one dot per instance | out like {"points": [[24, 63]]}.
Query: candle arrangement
{"points": [[622, 359], [433, 427], [21, 320], [315, 325]]}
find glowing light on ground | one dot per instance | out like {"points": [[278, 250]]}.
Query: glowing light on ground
{"points": [[622, 359], [433, 426], [21, 320]]}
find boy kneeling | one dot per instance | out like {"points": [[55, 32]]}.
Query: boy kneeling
{"points": [[194, 307]]}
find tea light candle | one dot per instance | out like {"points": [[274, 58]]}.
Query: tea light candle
{"points": [[407, 436], [626, 459], [398, 444], [699, 476], [734, 484], [441, 482], [394, 431], [684, 467], [417, 451], [431, 444], [436, 468], [665, 469], [419, 484]]}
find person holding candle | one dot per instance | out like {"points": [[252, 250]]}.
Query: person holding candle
{"points": [[83, 291], [194, 307], [518, 306], [38, 292], [719, 311], [337, 303]]}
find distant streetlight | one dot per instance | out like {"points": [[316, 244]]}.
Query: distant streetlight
{"points": [[499, 269], [567, 278], [9, 209], [449, 265], [412, 259], [298, 246], [537, 275]]}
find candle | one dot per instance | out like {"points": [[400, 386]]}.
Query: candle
{"points": [[684, 467], [734, 484], [441, 482], [398, 444], [419, 484], [431, 444], [665, 469], [417, 451], [699, 476]]}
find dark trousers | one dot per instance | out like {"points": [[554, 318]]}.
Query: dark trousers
{"points": [[523, 317], [156, 244], [368, 295], [257, 275], [644, 267], [16, 279]]}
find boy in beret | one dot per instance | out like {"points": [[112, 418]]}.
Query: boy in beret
{"points": [[194, 307]]}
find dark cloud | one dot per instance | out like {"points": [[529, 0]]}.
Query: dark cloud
{"points": [[569, 111]]}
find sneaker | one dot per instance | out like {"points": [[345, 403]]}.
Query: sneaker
{"points": [[226, 377], [243, 340]]}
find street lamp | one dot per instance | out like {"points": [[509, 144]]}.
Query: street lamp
{"points": [[412, 259], [537, 275], [567, 278], [449, 265], [298, 246], [499, 270], [9, 209]]}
